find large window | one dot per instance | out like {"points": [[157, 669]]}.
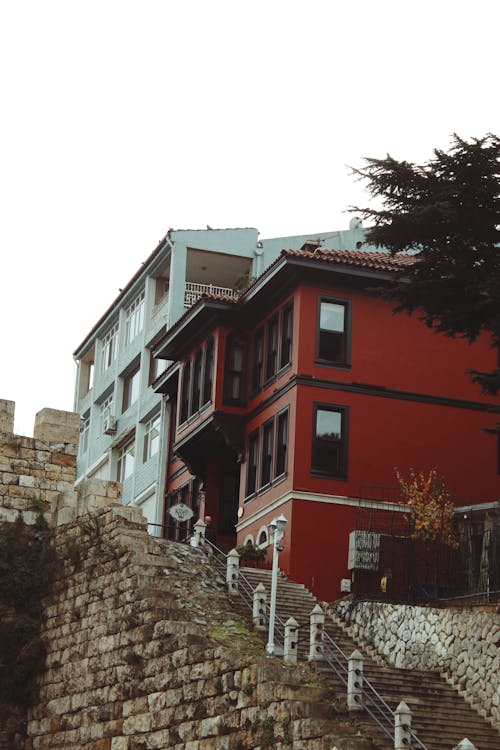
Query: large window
{"points": [[271, 347], [135, 318], [281, 443], [333, 345], [151, 438], [286, 336], [208, 372], [131, 387], [257, 360], [234, 375], [329, 449], [186, 381], [252, 461], [266, 455], [84, 434], [196, 382], [126, 458], [109, 348], [106, 409]]}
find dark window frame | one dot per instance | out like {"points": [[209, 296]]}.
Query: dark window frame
{"points": [[343, 361], [266, 453], [323, 446], [280, 445], [196, 383], [233, 340], [271, 358], [208, 372], [286, 336], [257, 360], [252, 464], [133, 372], [185, 392]]}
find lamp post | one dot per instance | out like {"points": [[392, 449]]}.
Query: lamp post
{"points": [[276, 531]]}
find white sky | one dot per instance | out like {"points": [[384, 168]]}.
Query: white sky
{"points": [[120, 119]]}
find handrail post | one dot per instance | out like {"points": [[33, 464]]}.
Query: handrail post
{"points": [[465, 745], [291, 640], [317, 624], [232, 571], [402, 726], [355, 682], [198, 539], [259, 607]]}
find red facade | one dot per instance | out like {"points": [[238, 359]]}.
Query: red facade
{"points": [[302, 397]]}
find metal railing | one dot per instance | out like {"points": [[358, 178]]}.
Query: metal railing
{"points": [[194, 291]]}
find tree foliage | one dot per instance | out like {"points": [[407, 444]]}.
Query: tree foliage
{"points": [[431, 508], [447, 212]]}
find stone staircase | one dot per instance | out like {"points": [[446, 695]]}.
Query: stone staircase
{"points": [[440, 717]]}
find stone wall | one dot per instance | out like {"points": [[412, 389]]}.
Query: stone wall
{"points": [[146, 651], [462, 643], [36, 470]]}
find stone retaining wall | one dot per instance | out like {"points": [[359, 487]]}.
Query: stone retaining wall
{"points": [[464, 644], [145, 651]]}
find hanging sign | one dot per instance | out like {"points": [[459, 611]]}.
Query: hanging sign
{"points": [[181, 512]]}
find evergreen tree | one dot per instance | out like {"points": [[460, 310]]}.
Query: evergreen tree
{"points": [[447, 211]]}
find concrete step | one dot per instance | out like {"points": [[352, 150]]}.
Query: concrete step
{"points": [[441, 718]]}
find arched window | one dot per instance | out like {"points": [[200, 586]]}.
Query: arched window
{"points": [[196, 383], [208, 372], [234, 375], [186, 377], [262, 538]]}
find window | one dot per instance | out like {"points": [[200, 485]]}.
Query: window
{"points": [[286, 336], [234, 376], [272, 347], [131, 387], [186, 379], [106, 410], [257, 360], [196, 382], [126, 458], [262, 538], [266, 456], [208, 373], [281, 443], [333, 334], [135, 318], [109, 348], [151, 438], [252, 459], [329, 450], [156, 367], [84, 434]]}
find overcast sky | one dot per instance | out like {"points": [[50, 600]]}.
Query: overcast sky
{"points": [[120, 119]]}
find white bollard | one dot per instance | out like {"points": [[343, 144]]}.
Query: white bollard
{"points": [[259, 607], [198, 538], [317, 620], [402, 726], [291, 640], [232, 571], [355, 682], [465, 745]]}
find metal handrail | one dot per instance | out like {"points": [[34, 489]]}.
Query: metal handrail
{"points": [[335, 658]]}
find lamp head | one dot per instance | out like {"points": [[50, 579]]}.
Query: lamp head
{"points": [[281, 522]]}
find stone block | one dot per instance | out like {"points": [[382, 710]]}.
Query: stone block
{"points": [[57, 426], [7, 411]]}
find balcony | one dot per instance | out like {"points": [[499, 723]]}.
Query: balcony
{"points": [[194, 291]]}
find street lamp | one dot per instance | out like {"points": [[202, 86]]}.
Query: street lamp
{"points": [[276, 531]]}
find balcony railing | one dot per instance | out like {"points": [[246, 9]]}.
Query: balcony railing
{"points": [[195, 291]]}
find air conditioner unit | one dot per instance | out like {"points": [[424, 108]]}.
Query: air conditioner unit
{"points": [[109, 425]]}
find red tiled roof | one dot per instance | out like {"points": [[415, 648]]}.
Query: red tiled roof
{"points": [[380, 261]]}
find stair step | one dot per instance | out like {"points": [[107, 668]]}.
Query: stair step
{"points": [[441, 718]]}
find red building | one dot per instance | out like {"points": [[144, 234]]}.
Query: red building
{"points": [[302, 396]]}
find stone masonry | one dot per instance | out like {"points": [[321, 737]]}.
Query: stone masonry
{"points": [[461, 643], [144, 649]]}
